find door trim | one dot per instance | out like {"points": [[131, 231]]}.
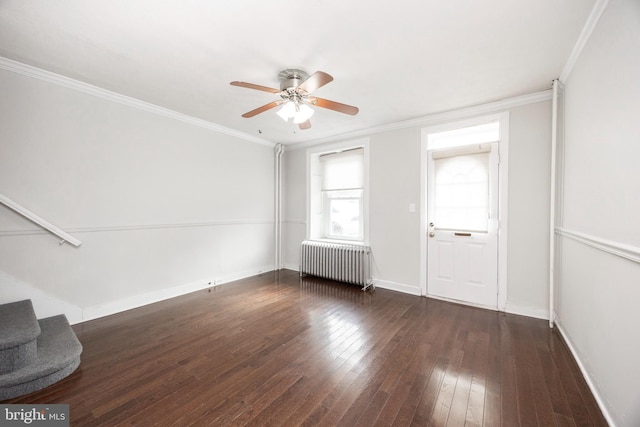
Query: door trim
{"points": [[503, 181]]}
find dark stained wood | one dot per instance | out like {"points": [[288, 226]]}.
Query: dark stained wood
{"points": [[279, 350]]}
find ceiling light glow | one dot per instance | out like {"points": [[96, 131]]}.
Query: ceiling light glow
{"points": [[300, 113]]}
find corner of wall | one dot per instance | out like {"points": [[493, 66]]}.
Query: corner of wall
{"points": [[44, 304], [525, 310]]}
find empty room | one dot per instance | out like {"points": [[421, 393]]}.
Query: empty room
{"points": [[320, 213]]}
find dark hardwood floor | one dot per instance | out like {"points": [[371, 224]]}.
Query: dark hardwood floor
{"points": [[279, 350]]}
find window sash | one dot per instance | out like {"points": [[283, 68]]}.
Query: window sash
{"points": [[350, 218]]}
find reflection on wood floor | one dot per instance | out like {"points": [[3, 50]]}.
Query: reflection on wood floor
{"points": [[312, 288], [277, 349]]}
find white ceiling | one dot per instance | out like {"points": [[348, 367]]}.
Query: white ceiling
{"points": [[394, 60]]}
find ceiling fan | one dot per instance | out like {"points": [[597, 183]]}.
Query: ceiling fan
{"points": [[295, 89]]}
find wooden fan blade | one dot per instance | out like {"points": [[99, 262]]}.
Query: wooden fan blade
{"points": [[315, 81], [256, 87], [336, 106], [304, 125], [262, 109]]}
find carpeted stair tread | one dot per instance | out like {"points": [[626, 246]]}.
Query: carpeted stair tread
{"points": [[58, 356], [19, 324], [19, 329]]}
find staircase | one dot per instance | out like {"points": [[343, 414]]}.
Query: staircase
{"points": [[34, 353]]}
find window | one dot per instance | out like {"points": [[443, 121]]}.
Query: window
{"points": [[342, 188], [488, 132], [461, 187], [337, 194]]}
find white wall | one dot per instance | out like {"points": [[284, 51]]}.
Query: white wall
{"points": [[294, 208], [529, 192], [395, 232], [162, 206], [598, 292]]}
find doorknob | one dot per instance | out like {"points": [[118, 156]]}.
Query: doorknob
{"points": [[432, 234]]}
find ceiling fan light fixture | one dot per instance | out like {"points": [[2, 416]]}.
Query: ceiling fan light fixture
{"points": [[295, 87], [303, 114], [287, 111], [300, 113]]}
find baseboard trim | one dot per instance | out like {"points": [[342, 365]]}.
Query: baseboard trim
{"points": [[468, 304], [294, 267], [244, 274], [394, 286], [44, 303], [136, 301], [585, 374], [538, 313]]}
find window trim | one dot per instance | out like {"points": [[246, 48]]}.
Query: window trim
{"points": [[314, 220]]}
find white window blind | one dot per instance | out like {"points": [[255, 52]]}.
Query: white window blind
{"points": [[342, 186], [462, 192], [342, 171]]}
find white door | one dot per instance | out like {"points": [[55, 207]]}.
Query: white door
{"points": [[462, 224]]}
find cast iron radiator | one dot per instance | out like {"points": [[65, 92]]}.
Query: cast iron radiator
{"points": [[336, 261]]}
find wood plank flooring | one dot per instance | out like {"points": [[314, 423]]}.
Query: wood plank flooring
{"points": [[279, 350]]}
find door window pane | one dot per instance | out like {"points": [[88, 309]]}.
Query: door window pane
{"points": [[461, 200]]}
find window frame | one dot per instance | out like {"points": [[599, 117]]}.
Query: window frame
{"points": [[316, 217]]}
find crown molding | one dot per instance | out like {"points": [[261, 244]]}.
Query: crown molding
{"points": [[434, 119], [583, 38], [60, 80]]}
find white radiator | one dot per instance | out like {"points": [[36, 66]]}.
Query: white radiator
{"points": [[341, 262]]}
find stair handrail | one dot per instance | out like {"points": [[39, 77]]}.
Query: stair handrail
{"points": [[66, 237]]}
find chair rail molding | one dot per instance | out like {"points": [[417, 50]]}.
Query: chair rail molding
{"points": [[134, 227], [623, 250]]}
